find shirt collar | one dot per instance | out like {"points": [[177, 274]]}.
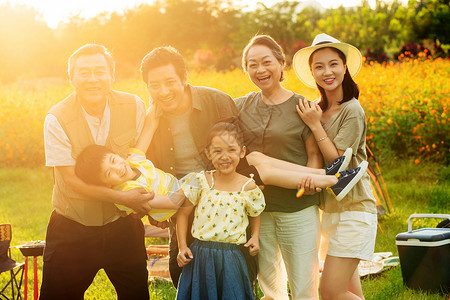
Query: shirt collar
{"points": [[105, 111], [195, 98]]}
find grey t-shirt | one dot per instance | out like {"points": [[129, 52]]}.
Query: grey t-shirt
{"points": [[187, 158]]}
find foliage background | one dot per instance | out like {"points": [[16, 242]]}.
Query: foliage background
{"points": [[212, 33], [406, 105], [404, 92]]}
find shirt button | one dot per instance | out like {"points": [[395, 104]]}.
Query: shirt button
{"points": [[171, 168], [171, 149]]}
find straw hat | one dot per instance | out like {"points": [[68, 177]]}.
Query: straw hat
{"points": [[301, 58]]}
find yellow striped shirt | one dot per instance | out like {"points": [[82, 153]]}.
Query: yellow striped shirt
{"points": [[151, 179]]}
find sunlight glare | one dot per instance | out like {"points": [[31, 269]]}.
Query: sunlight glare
{"points": [[55, 12]]}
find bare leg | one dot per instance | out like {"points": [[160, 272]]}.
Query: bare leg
{"points": [[338, 281], [290, 179], [355, 285], [256, 158]]}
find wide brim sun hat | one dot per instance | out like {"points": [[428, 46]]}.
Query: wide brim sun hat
{"points": [[301, 58]]}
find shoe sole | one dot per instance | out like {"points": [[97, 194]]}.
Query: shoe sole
{"points": [[347, 157], [354, 181]]}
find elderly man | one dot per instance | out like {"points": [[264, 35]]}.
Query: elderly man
{"points": [[86, 231]]}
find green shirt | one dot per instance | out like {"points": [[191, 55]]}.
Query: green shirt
{"points": [[279, 132], [347, 129]]}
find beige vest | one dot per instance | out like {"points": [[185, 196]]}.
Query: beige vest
{"points": [[121, 137]]}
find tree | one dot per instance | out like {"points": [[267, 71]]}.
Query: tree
{"points": [[26, 43], [433, 20]]}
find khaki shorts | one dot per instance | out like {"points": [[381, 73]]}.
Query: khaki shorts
{"points": [[349, 234]]}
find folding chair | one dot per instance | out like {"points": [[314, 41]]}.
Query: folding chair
{"points": [[7, 264]]}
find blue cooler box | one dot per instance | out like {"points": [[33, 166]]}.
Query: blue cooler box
{"points": [[425, 256]]}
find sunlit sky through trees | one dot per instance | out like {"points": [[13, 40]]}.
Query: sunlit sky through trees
{"points": [[54, 12]]}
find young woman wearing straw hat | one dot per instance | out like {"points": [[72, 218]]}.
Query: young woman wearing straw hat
{"points": [[338, 122]]}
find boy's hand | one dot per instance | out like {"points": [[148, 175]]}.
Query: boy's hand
{"points": [[162, 225], [184, 256], [253, 245]]}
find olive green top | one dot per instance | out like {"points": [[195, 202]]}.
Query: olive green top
{"points": [[279, 132], [347, 129]]}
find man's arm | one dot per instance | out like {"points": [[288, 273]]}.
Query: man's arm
{"points": [[136, 199], [150, 125]]}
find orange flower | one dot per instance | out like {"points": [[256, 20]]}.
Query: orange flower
{"points": [[417, 161], [389, 121]]}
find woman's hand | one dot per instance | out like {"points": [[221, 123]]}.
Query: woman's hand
{"points": [[310, 112], [253, 245], [184, 256], [309, 186]]}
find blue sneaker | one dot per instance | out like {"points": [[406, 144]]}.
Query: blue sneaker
{"points": [[347, 180], [339, 164]]}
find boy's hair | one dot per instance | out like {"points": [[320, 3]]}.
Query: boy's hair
{"points": [[225, 127], [88, 166], [163, 56], [90, 49]]}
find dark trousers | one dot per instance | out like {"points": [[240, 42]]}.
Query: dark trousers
{"points": [[74, 253]]}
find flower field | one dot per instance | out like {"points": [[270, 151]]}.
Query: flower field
{"points": [[406, 104]]}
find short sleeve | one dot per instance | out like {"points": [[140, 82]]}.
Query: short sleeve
{"points": [[136, 154], [255, 202], [58, 150], [226, 108], [306, 133], [351, 130], [239, 102], [191, 184]]}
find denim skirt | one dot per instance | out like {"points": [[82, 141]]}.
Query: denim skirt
{"points": [[217, 271]]}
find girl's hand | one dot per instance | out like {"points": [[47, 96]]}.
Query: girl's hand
{"points": [[310, 112], [253, 245], [184, 257]]}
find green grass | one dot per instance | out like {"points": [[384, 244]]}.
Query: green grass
{"points": [[424, 188]]}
